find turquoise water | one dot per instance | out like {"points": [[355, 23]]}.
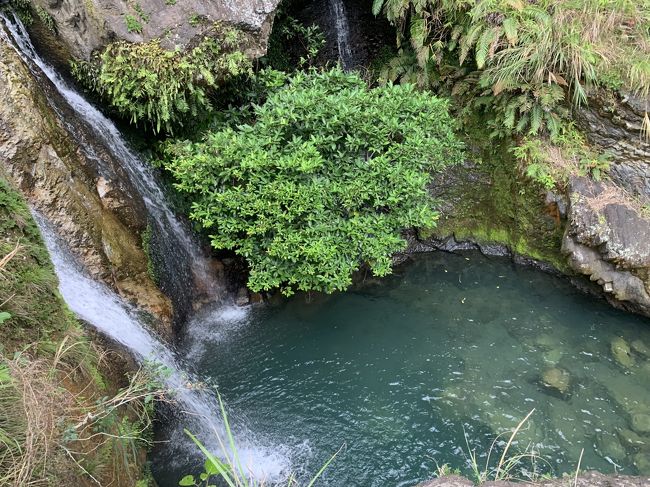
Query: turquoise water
{"points": [[413, 371]]}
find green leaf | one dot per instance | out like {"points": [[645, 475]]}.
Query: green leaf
{"points": [[188, 480], [4, 316], [376, 6]]}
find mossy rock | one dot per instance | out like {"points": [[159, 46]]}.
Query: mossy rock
{"points": [[488, 201]]}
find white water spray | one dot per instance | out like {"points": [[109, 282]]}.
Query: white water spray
{"points": [[97, 305], [342, 29]]}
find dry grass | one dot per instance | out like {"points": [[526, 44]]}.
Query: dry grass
{"points": [[55, 423], [40, 405], [611, 193]]}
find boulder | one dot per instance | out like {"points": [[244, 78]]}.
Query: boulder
{"points": [[87, 26], [632, 441], [556, 379], [621, 352], [640, 422], [607, 239], [609, 446], [642, 463], [641, 348]]}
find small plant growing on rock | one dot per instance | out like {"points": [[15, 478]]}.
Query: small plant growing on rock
{"points": [[132, 24], [161, 87]]}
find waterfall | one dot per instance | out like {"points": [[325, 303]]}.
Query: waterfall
{"points": [[185, 263], [102, 308], [342, 29]]}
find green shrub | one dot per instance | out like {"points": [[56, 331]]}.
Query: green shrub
{"points": [[159, 87], [325, 180]]}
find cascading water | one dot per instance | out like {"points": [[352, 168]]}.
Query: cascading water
{"points": [[342, 29], [184, 263], [96, 304]]}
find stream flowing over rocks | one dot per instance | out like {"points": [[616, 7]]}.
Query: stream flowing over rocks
{"points": [[599, 230], [45, 151]]}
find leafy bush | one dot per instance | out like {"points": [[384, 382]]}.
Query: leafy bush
{"points": [[161, 88], [325, 180]]}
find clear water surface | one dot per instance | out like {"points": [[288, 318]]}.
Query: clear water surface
{"points": [[411, 371]]}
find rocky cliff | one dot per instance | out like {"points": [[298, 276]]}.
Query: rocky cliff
{"points": [[608, 229], [612, 122], [85, 26], [84, 194]]}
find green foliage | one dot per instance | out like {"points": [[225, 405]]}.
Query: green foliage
{"points": [[141, 13], [325, 180], [519, 60], [532, 154], [293, 45], [596, 167], [158, 87], [132, 24], [46, 18], [22, 9], [195, 19], [550, 162], [28, 286]]}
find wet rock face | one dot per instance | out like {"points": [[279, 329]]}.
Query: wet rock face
{"points": [[367, 34], [94, 210], [607, 238], [85, 26], [613, 123]]}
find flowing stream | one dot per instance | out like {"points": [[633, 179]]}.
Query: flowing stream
{"points": [[342, 29], [402, 370], [174, 240]]}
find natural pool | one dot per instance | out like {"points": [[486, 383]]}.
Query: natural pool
{"points": [[401, 371]]}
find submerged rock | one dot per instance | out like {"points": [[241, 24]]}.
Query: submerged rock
{"points": [[553, 356], [642, 463], [632, 441], [556, 379], [621, 352], [609, 446], [641, 422]]}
